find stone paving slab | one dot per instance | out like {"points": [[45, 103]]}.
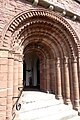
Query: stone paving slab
{"points": [[42, 106]]}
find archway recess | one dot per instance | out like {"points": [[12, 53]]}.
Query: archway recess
{"points": [[55, 43], [31, 71]]}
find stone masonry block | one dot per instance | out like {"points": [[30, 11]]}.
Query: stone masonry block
{"points": [[10, 77], [9, 106], [10, 69], [4, 68], [10, 83], [10, 91], [2, 108], [3, 93], [2, 101], [2, 115], [3, 84], [3, 61], [3, 54], [3, 76]]}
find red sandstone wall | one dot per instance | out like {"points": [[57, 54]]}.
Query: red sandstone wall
{"points": [[75, 26], [10, 8]]}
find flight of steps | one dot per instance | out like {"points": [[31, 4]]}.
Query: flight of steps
{"points": [[42, 106]]}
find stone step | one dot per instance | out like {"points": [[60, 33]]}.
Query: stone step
{"points": [[42, 106]]}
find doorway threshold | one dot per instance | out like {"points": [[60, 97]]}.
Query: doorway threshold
{"points": [[33, 88]]}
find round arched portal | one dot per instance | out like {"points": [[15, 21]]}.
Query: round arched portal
{"points": [[36, 56], [47, 37]]}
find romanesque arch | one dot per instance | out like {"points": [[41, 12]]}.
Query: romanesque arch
{"points": [[56, 44]]}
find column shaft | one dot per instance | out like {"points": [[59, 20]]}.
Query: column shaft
{"points": [[66, 82], [10, 87], [75, 83], [58, 91], [20, 73], [15, 83], [52, 76], [3, 82], [79, 72], [48, 75], [43, 75]]}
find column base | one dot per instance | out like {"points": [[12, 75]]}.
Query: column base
{"points": [[67, 102], [48, 91], [76, 108], [58, 97], [79, 111], [76, 105]]}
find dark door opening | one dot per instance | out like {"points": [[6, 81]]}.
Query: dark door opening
{"points": [[31, 71]]}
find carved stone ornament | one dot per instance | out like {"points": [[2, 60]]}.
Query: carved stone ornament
{"points": [[16, 26]]}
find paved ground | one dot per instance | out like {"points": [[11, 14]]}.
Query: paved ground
{"points": [[43, 106]]}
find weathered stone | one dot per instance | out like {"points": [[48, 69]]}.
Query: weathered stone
{"points": [[43, 34]]}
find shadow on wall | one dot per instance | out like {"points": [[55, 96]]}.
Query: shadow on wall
{"points": [[24, 1]]}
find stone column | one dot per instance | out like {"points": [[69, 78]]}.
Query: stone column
{"points": [[15, 82], [66, 81], [79, 78], [58, 91], [51, 72], [48, 75], [20, 73], [43, 75], [79, 70], [53, 75], [10, 86], [75, 83], [3, 82]]}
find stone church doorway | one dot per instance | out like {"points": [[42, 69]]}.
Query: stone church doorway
{"points": [[40, 49], [31, 71]]}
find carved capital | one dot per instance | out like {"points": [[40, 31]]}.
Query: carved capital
{"points": [[4, 52], [11, 55], [58, 60], [16, 56], [66, 59], [74, 59], [20, 58]]}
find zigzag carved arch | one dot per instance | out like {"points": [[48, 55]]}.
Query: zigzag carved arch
{"points": [[19, 22]]}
